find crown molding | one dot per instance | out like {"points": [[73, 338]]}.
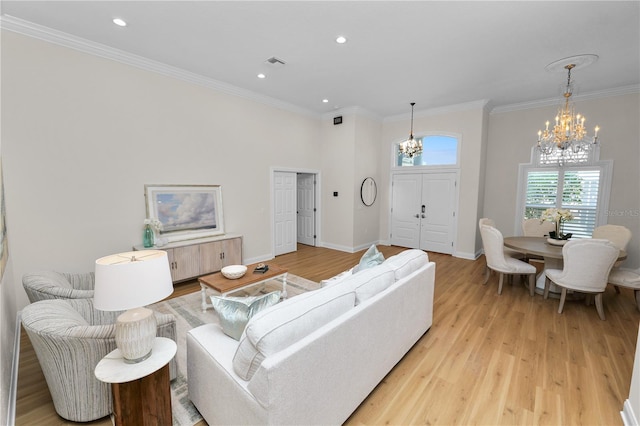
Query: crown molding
{"points": [[616, 91], [481, 104], [20, 26]]}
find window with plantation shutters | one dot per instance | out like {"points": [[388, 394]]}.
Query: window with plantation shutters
{"points": [[582, 189]]}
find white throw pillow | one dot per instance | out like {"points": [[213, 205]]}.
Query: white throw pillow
{"points": [[283, 324], [407, 262], [235, 312]]}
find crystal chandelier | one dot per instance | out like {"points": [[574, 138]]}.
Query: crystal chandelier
{"points": [[411, 147], [568, 138]]}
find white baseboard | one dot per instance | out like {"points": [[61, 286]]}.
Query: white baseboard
{"points": [[337, 247], [628, 416], [13, 386], [465, 255]]}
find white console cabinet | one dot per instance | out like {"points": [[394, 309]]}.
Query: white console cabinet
{"points": [[192, 258]]}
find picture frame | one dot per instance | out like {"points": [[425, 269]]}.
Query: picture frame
{"points": [[186, 211]]}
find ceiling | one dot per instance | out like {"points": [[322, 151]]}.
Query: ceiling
{"points": [[434, 53]]}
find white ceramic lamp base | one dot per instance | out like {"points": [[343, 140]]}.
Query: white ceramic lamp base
{"points": [[135, 333]]}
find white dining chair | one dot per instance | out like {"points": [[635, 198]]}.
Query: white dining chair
{"points": [[536, 228], [507, 251], [493, 243], [587, 263], [626, 278], [618, 235]]}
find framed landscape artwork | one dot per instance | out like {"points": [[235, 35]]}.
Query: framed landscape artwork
{"points": [[186, 212]]}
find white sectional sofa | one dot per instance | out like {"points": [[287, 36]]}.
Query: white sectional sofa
{"points": [[313, 358]]}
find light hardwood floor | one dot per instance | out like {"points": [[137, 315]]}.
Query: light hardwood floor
{"points": [[487, 359]]}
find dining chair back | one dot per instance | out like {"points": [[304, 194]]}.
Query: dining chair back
{"points": [[493, 244], [536, 228], [587, 263], [618, 235]]}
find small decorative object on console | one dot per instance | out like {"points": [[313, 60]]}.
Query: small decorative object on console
{"points": [[233, 272]]}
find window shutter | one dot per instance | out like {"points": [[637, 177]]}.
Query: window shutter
{"points": [[580, 195], [541, 192]]}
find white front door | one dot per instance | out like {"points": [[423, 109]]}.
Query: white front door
{"points": [[284, 196], [306, 200], [405, 210], [423, 211], [438, 214]]}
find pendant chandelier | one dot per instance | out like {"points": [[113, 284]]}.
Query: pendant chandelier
{"points": [[411, 147], [568, 138]]}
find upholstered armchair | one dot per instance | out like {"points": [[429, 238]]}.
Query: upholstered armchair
{"points": [[70, 337], [58, 285]]}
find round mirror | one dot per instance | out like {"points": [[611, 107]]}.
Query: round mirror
{"points": [[368, 191]]}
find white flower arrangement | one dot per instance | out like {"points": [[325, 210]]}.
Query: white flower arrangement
{"points": [[155, 224], [559, 216]]}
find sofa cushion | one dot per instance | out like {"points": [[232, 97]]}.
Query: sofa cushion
{"points": [[337, 279], [281, 325], [407, 262], [372, 257], [370, 282], [235, 312]]}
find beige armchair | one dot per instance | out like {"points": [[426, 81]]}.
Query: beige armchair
{"points": [[493, 243], [70, 337], [58, 285], [587, 264]]}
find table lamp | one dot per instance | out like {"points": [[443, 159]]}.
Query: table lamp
{"points": [[129, 281]]}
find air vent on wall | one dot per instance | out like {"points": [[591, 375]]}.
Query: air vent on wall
{"points": [[275, 61]]}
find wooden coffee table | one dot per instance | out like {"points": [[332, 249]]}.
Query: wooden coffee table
{"points": [[224, 286]]}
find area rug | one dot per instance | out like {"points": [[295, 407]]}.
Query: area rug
{"points": [[188, 312]]}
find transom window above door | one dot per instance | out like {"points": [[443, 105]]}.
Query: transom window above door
{"points": [[437, 150]]}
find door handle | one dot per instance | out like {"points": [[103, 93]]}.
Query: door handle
{"points": [[424, 216], [417, 216]]}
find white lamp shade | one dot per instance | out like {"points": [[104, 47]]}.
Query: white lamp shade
{"points": [[131, 280]]}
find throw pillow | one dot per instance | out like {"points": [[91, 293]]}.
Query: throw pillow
{"points": [[372, 257], [235, 312]]}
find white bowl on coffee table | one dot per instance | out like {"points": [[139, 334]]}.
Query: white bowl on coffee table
{"points": [[234, 272]]}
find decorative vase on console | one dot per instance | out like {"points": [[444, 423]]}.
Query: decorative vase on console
{"points": [[147, 236], [559, 216], [151, 233]]}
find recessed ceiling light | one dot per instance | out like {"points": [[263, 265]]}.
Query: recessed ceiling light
{"points": [[261, 75], [119, 22], [325, 101], [341, 39]]}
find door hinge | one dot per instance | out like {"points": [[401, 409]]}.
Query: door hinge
{"points": [[314, 209], [454, 214], [314, 237]]}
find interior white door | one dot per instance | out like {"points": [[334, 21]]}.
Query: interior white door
{"points": [[437, 215], [306, 199], [405, 210], [284, 197]]}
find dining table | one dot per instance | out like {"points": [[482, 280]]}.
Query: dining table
{"points": [[551, 253]]}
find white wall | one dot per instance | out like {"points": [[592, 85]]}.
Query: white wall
{"points": [[82, 135], [512, 134], [366, 219]]}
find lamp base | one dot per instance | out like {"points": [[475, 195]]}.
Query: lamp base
{"points": [[135, 333]]}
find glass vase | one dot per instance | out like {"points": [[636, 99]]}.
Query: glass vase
{"points": [[147, 237]]}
